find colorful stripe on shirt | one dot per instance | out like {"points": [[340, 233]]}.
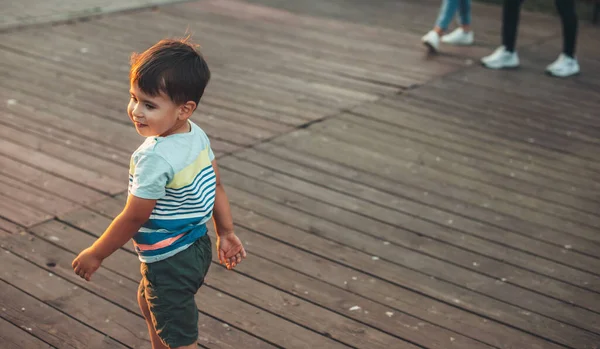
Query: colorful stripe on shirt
{"points": [[179, 218]]}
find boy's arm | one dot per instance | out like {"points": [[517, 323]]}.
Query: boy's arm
{"points": [[121, 230], [230, 248]]}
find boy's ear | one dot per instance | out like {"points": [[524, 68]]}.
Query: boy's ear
{"points": [[187, 109]]}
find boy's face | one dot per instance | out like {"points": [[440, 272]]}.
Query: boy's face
{"points": [[155, 115]]}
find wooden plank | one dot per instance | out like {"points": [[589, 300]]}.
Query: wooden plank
{"points": [[524, 95], [115, 146], [78, 303], [9, 227], [341, 285], [508, 208], [77, 99], [379, 189], [279, 113], [265, 266], [415, 139], [68, 51], [338, 264], [242, 314], [269, 43], [499, 126], [494, 175], [277, 242], [340, 44], [21, 213], [16, 191], [406, 16], [111, 206], [61, 168], [47, 323], [303, 313], [39, 14], [118, 288], [227, 91], [89, 80], [322, 320], [249, 58], [47, 137], [498, 174], [223, 126], [362, 217], [418, 115], [65, 152], [14, 337], [48, 182], [104, 93], [388, 167], [88, 125], [241, 135], [25, 65], [279, 206], [402, 207], [245, 118], [406, 119]]}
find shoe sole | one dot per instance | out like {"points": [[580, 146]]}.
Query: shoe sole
{"points": [[458, 43], [430, 47], [501, 67], [560, 76]]}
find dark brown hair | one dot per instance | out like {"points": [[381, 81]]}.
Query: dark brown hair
{"points": [[172, 66]]}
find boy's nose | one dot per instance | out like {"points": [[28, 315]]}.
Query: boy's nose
{"points": [[136, 112]]}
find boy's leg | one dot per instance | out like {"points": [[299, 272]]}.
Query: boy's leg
{"points": [[170, 286], [154, 339]]}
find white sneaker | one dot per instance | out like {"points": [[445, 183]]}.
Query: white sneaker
{"points": [[563, 66], [501, 58], [431, 40], [459, 37]]}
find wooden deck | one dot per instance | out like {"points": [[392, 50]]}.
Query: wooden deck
{"points": [[387, 199]]}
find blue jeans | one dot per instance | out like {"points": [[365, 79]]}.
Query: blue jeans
{"points": [[449, 8]]}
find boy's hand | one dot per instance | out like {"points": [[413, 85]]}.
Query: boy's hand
{"points": [[86, 263], [230, 250]]}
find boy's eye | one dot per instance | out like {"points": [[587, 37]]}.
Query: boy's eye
{"points": [[133, 98], [149, 106]]}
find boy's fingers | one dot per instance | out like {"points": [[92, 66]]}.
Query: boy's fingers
{"points": [[222, 256]]}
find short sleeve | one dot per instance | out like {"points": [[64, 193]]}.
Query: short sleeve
{"points": [[151, 175], [211, 155]]}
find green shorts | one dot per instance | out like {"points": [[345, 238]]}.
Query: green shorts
{"points": [[169, 287]]}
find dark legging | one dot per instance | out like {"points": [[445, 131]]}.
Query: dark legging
{"points": [[568, 17]]}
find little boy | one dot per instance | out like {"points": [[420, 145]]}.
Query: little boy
{"points": [[174, 189]]}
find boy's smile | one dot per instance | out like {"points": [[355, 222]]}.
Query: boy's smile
{"points": [[155, 115]]}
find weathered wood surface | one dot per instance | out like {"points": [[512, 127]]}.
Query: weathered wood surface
{"points": [[388, 199]]}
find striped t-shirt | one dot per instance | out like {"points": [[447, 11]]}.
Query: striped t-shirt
{"points": [[177, 172]]}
